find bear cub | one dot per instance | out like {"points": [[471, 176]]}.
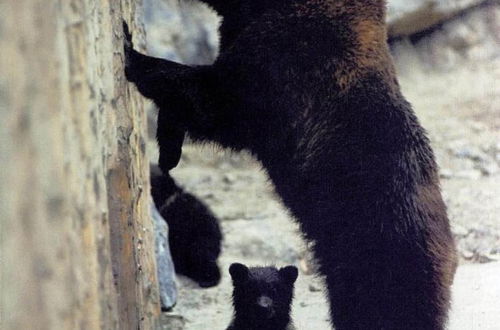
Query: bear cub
{"points": [[262, 297], [194, 233]]}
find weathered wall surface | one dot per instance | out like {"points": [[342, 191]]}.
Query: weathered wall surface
{"points": [[182, 31], [409, 17], [76, 238], [447, 30], [463, 41]]}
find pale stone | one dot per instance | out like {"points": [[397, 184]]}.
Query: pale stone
{"points": [[476, 293], [76, 236], [408, 17], [165, 265]]}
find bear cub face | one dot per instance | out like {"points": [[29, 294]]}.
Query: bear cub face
{"points": [[262, 297]]}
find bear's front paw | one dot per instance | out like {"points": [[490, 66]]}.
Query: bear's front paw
{"points": [[170, 156], [129, 52], [209, 275], [127, 36]]}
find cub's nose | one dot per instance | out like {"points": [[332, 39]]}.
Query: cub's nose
{"points": [[264, 302]]}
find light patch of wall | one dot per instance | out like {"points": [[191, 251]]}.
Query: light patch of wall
{"points": [[76, 237]]}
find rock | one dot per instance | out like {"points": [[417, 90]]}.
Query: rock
{"points": [[481, 161], [459, 230], [409, 17], [466, 38], [475, 297], [314, 288], [170, 321], [445, 173], [495, 151], [77, 243], [488, 167], [493, 256], [470, 153], [478, 127], [164, 263], [195, 43], [468, 174], [479, 244], [305, 267], [262, 240], [467, 255], [229, 178]]}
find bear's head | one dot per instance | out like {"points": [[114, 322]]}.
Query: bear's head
{"points": [[262, 296]]}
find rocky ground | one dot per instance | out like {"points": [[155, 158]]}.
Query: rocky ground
{"points": [[451, 78], [461, 111]]}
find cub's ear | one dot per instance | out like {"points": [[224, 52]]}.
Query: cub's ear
{"points": [[289, 274], [239, 272]]}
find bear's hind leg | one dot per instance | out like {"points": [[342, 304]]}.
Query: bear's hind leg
{"points": [[380, 282]]}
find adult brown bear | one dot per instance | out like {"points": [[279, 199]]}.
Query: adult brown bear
{"points": [[308, 86]]}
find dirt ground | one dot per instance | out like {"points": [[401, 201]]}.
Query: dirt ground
{"points": [[460, 110]]}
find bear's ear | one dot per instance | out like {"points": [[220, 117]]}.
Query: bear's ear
{"points": [[239, 272], [289, 274]]}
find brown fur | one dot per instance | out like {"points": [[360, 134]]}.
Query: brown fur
{"points": [[442, 250], [308, 86], [368, 33]]}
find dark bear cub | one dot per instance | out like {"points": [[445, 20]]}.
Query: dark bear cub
{"points": [[194, 233], [262, 297], [308, 86]]}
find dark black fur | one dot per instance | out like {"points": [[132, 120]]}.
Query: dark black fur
{"points": [[308, 87], [262, 297], [194, 233]]}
